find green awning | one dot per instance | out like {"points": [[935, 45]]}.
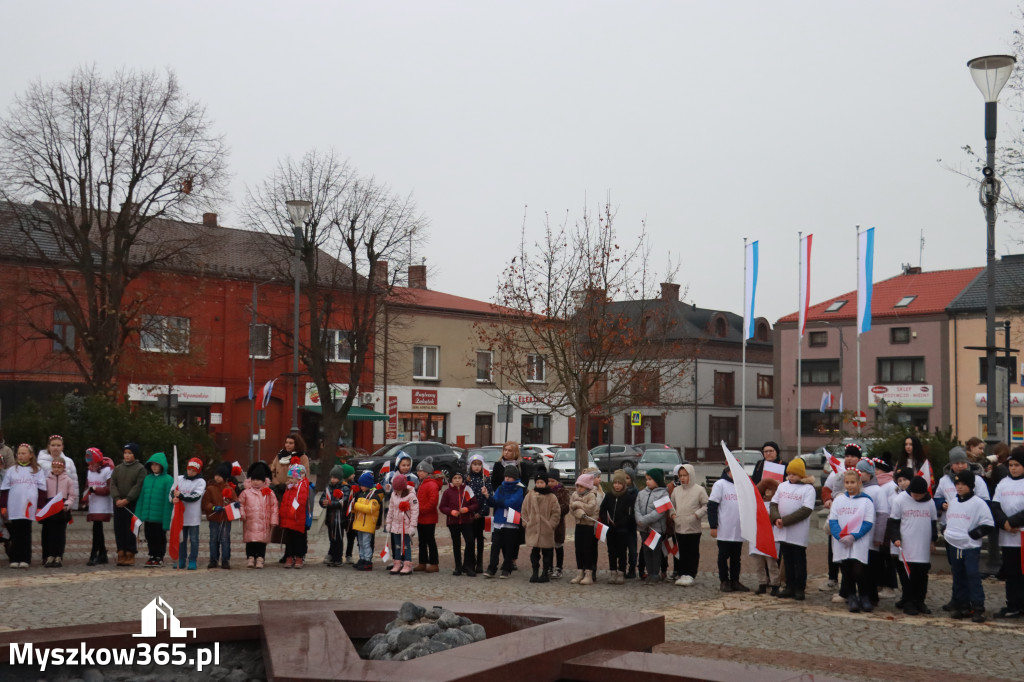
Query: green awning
{"points": [[354, 413]]}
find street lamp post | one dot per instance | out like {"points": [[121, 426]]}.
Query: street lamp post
{"points": [[990, 75], [253, 427], [298, 209]]}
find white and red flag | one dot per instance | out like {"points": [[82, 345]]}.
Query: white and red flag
{"points": [[601, 532], [671, 547], [513, 516], [836, 464], [385, 554], [774, 471], [177, 516], [652, 539], [906, 566], [385, 468], [468, 494], [805, 281], [926, 472], [51, 508], [755, 523], [663, 505], [233, 511], [136, 524]]}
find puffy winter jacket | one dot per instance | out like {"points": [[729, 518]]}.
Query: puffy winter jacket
{"points": [[154, 504], [428, 494], [259, 514]]}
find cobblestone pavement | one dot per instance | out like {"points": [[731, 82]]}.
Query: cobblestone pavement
{"points": [[812, 636]]}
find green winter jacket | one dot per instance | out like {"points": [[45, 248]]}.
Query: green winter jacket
{"points": [[154, 502]]}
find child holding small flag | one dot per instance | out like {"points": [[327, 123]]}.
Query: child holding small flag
{"points": [[507, 501], [220, 494], [428, 494], [724, 519], [97, 499], [19, 493], [403, 514], [690, 504], [61, 497], [293, 516], [968, 520], [125, 487], [154, 508], [617, 518], [478, 480], [459, 503], [336, 499], [652, 513], [1008, 513], [190, 490], [913, 528], [850, 522], [259, 508], [366, 518], [541, 515], [791, 509]]}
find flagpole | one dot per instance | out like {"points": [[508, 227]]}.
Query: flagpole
{"points": [[856, 384], [743, 357], [799, 345]]}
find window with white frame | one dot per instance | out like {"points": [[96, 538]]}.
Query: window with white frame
{"points": [[63, 332], [338, 347], [424, 362], [164, 334], [484, 365], [259, 341], [535, 370]]}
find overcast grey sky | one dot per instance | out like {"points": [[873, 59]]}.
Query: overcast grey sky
{"points": [[712, 121]]}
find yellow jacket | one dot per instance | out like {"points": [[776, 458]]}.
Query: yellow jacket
{"points": [[366, 512]]}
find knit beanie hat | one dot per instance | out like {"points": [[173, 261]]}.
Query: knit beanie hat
{"points": [[366, 479], [426, 466], [258, 471], [966, 477], [93, 455], [399, 483], [658, 475], [347, 472], [907, 473], [797, 467], [541, 475], [135, 448], [511, 470], [853, 450], [195, 463], [917, 485], [865, 466], [223, 470], [296, 471], [619, 476], [337, 472], [772, 444], [957, 455], [585, 480], [1017, 455], [767, 484]]}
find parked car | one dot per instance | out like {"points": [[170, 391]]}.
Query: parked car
{"points": [[444, 457], [490, 453], [612, 457], [748, 458], [564, 464], [816, 459], [547, 450], [665, 459]]}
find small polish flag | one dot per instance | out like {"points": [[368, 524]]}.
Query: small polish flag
{"points": [[836, 464], [28, 508], [468, 494], [926, 472], [514, 517], [652, 539], [671, 547], [53, 507], [487, 524], [906, 566], [136, 524], [601, 532], [234, 511], [663, 505], [774, 470], [385, 554], [386, 468]]}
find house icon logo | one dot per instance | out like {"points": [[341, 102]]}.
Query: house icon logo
{"points": [[159, 610]]}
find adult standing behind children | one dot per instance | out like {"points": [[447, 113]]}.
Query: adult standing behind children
{"points": [[125, 487], [769, 453], [294, 447]]}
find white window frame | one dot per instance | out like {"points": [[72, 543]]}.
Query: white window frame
{"points": [[253, 339], [490, 367], [159, 333], [336, 341], [533, 361], [420, 353]]}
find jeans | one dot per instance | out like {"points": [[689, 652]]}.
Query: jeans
{"points": [[428, 543], [967, 589], [220, 540], [401, 547], [729, 557], [124, 537], [794, 557], [365, 541], [189, 541]]}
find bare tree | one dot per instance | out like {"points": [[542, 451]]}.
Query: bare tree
{"points": [[356, 228], [578, 327], [106, 159]]}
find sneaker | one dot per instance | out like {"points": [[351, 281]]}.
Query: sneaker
{"points": [[886, 593], [828, 586], [469, 572], [838, 599], [250, 562], [787, 593], [684, 581], [853, 603], [289, 562], [737, 586], [212, 564], [949, 606], [761, 589], [192, 565], [775, 591], [630, 574], [457, 571], [924, 609], [159, 562], [866, 605], [506, 575], [910, 609], [1007, 612], [979, 616], [556, 573], [489, 574], [58, 562], [225, 565], [298, 562], [367, 566], [799, 595], [726, 586], [151, 562], [48, 562], [259, 562]]}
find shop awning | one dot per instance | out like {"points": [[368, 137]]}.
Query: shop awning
{"points": [[354, 413]]}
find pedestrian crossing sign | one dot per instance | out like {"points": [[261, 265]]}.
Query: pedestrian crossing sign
{"points": [[634, 418]]}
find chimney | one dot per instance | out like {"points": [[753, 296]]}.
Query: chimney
{"points": [[209, 220], [380, 275], [417, 276], [669, 292]]}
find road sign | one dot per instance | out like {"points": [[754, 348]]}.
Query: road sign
{"points": [[634, 418]]}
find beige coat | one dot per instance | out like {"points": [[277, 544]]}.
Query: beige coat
{"points": [[583, 506], [690, 505], [541, 514]]}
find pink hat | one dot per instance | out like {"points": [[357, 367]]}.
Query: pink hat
{"points": [[586, 480], [399, 483]]}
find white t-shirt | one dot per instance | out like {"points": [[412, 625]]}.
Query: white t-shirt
{"points": [[1010, 496], [962, 517], [724, 493], [881, 502], [946, 489], [844, 510], [99, 504], [24, 487], [790, 497], [915, 527]]}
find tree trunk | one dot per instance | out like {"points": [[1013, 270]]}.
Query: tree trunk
{"points": [[582, 433]]}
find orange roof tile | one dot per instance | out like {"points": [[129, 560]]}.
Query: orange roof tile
{"points": [[425, 298]]}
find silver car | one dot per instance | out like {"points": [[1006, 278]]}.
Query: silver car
{"points": [[565, 464]]}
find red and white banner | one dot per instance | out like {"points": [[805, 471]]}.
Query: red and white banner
{"points": [[52, 508], [755, 524], [513, 517], [487, 524], [601, 532], [663, 505], [652, 539], [177, 516], [926, 472], [671, 547], [136, 524], [385, 554], [805, 282], [233, 511], [774, 471]]}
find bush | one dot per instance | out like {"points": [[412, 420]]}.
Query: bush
{"points": [[97, 421], [937, 444]]}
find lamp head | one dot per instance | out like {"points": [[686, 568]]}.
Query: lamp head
{"points": [[298, 210], [990, 74]]}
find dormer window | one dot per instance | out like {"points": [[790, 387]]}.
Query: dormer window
{"points": [[904, 302], [834, 306], [720, 328]]}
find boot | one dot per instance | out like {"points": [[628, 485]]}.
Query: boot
{"points": [[92, 559], [419, 568], [578, 579], [432, 568], [737, 586], [544, 578], [101, 557], [259, 562], [479, 568], [588, 578], [396, 567], [407, 568], [799, 595], [120, 557], [250, 562], [535, 578], [129, 558]]}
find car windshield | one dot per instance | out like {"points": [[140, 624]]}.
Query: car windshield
{"points": [[490, 455], [660, 456], [565, 455], [389, 450]]}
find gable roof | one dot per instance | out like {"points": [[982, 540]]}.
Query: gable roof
{"points": [[932, 292], [1009, 280], [686, 321], [415, 297]]}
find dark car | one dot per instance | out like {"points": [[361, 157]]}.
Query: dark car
{"points": [[445, 459], [612, 457]]}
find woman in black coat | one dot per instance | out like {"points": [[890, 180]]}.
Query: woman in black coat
{"points": [[769, 453]]}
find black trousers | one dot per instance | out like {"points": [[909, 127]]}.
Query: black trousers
{"points": [[535, 558], [631, 551], [21, 541], [617, 552], [428, 543], [689, 553], [1014, 580], [876, 568], [794, 559], [124, 538], [478, 540], [54, 535], [504, 541], [833, 567], [295, 545], [256, 550], [586, 548], [156, 539], [729, 555], [915, 585], [351, 542], [855, 579], [99, 543], [462, 535]]}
